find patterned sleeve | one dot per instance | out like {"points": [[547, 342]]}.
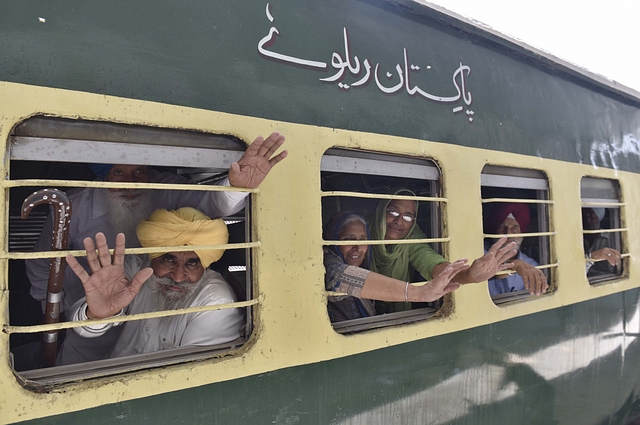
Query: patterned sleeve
{"points": [[340, 277]]}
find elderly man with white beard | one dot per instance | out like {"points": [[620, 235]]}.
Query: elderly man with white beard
{"points": [[159, 281], [506, 219], [113, 211]]}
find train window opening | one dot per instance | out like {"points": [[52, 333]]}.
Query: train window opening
{"points": [[58, 153], [363, 183], [516, 202], [603, 230]]}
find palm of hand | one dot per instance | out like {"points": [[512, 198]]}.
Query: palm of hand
{"points": [[257, 161], [250, 172], [108, 291]]}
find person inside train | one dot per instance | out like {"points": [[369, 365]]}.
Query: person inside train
{"points": [[114, 211], [152, 282], [506, 219], [597, 245], [347, 271], [395, 219]]}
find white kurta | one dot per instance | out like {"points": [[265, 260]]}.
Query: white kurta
{"points": [[150, 335]]}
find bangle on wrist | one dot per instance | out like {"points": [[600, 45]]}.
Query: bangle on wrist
{"points": [[406, 292]]}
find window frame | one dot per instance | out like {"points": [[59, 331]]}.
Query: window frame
{"points": [[61, 140], [340, 160], [617, 229], [501, 177]]}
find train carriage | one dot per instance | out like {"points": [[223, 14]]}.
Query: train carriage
{"points": [[371, 95]]}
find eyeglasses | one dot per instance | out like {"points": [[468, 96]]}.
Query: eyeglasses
{"points": [[406, 217]]}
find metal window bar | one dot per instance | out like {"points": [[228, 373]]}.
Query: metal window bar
{"points": [[388, 242], [539, 267], [115, 185], [603, 204], [593, 260], [126, 318], [384, 196], [518, 201], [518, 235], [82, 253], [614, 230], [381, 196]]}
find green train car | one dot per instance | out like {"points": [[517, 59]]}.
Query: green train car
{"points": [[371, 95]]}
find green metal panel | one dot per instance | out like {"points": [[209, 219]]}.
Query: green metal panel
{"points": [[574, 365], [205, 55]]}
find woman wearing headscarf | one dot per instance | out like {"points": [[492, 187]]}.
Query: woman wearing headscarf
{"points": [[395, 219], [347, 272]]}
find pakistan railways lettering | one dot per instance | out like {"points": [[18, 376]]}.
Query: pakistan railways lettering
{"points": [[352, 63]]}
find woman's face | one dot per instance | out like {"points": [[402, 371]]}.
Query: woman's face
{"points": [[353, 254], [400, 217]]}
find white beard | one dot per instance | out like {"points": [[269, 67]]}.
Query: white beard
{"points": [[125, 214], [165, 299], [518, 242]]}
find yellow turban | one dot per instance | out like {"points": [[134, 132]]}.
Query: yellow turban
{"points": [[184, 226]]}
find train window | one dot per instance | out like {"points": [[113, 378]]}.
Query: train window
{"points": [[366, 183], [181, 168], [603, 231], [516, 202]]}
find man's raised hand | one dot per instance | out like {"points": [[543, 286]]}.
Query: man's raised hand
{"points": [[257, 161], [107, 288]]}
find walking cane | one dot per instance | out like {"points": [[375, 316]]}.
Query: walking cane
{"points": [[59, 241]]}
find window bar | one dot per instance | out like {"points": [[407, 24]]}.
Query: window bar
{"points": [[163, 249], [593, 260], [517, 201], [387, 242], [518, 235], [116, 185], [604, 204], [539, 267], [8, 329], [381, 196], [595, 232]]}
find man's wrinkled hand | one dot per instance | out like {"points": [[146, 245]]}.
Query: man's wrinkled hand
{"points": [[257, 162]]}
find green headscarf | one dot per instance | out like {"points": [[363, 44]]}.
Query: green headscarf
{"points": [[391, 260], [400, 261]]}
